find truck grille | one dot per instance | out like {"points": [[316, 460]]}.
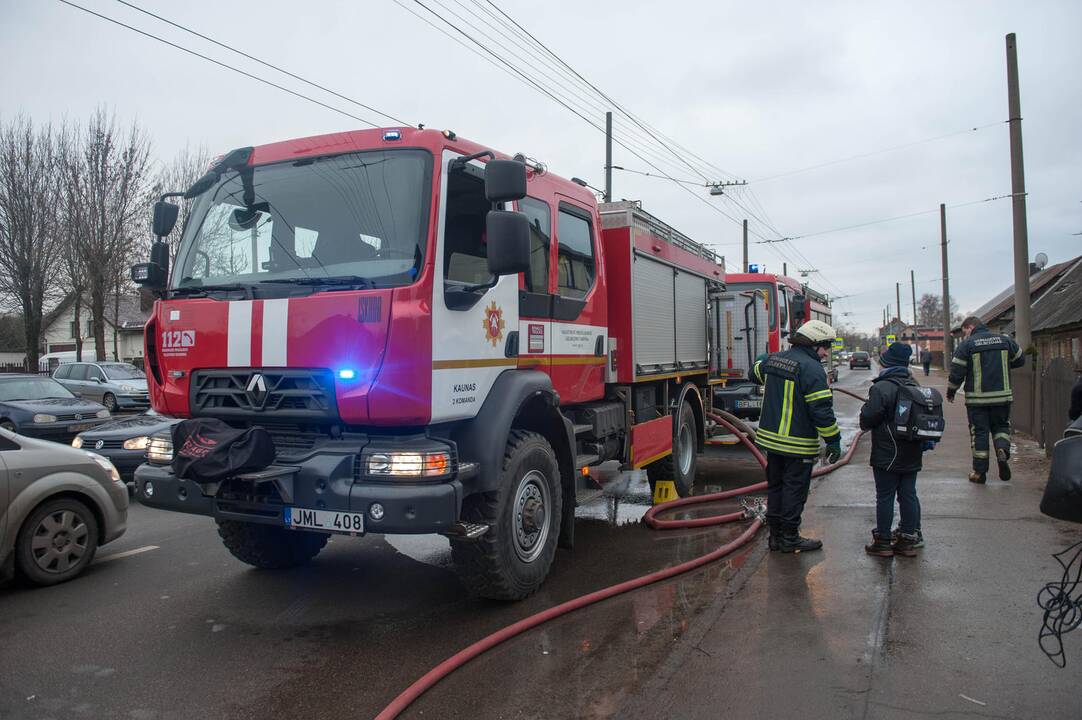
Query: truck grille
{"points": [[287, 393]]}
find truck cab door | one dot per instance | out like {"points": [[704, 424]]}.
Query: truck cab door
{"points": [[537, 290], [580, 305], [474, 327]]}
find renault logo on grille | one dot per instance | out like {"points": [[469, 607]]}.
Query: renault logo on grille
{"points": [[257, 391]]}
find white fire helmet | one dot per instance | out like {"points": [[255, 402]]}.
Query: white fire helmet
{"points": [[814, 332]]}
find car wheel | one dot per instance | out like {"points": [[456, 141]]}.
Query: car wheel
{"points": [[57, 542], [109, 401], [8, 425]]}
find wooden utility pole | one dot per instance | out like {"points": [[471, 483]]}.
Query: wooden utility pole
{"points": [[608, 157], [948, 341], [898, 299], [913, 292], [785, 269], [745, 268], [1022, 311]]}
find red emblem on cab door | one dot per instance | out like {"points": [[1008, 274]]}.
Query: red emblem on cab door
{"points": [[493, 324]]}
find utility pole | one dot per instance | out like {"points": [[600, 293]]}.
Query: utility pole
{"points": [[916, 335], [898, 299], [785, 269], [1022, 310], [608, 157], [948, 341], [745, 268]]}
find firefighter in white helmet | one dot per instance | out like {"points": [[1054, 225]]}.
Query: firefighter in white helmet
{"points": [[798, 409]]}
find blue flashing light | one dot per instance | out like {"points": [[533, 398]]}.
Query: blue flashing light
{"points": [[753, 267], [392, 135], [346, 374]]}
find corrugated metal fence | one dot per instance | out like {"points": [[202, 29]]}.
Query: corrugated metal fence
{"points": [[1042, 396]]}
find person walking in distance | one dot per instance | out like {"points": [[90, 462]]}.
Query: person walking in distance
{"points": [[926, 360], [982, 366], [895, 460], [798, 409]]}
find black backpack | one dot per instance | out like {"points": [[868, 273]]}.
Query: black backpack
{"points": [[918, 413]]}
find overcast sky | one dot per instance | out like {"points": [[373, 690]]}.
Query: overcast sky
{"points": [[756, 89]]}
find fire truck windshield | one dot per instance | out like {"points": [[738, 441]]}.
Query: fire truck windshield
{"points": [[362, 215]]}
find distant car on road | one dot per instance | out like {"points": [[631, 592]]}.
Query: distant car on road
{"points": [[117, 386], [124, 440], [860, 359], [41, 407], [57, 506]]}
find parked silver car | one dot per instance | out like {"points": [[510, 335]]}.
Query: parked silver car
{"points": [[115, 385], [57, 505]]}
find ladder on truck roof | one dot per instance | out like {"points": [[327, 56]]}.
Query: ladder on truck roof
{"points": [[629, 213]]}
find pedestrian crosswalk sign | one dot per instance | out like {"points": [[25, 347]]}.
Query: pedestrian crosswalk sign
{"points": [[891, 338]]}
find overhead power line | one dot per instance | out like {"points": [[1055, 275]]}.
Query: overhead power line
{"points": [[220, 63], [316, 85]]}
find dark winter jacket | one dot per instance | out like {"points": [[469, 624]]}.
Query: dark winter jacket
{"points": [[798, 407], [1076, 401], [925, 357], [888, 453], [982, 363]]}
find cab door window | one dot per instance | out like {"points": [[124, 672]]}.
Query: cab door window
{"points": [[576, 268], [539, 215]]}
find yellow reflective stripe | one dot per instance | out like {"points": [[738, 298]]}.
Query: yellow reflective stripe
{"points": [[788, 439], [953, 385], [1018, 354], [770, 445], [977, 375], [820, 395], [1002, 436], [1006, 372], [758, 374], [959, 361], [981, 454], [787, 409], [829, 431]]}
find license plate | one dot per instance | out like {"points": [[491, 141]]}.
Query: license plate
{"points": [[748, 404], [327, 520], [80, 428]]}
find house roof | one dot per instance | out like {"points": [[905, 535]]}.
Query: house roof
{"points": [[1004, 301], [1061, 304]]}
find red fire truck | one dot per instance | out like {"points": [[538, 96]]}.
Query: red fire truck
{"points": [[755, 314], [438, 337]]}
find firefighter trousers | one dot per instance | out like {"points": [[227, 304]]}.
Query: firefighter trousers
{"points": [[988, 421], [787, 482]]}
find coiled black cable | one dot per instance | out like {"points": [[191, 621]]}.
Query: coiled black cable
{"points": [[1062, 605]]}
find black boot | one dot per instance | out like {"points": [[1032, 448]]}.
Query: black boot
{"points": [[775, 536], [1004, 468], [976, 477], [905, 545], [791, 541], [880, 546]]}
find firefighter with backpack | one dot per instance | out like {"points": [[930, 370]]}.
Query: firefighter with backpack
{"points": [[905, 420]]}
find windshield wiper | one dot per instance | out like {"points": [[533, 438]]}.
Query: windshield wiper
{"points": [[326, 280], [204, 289]]}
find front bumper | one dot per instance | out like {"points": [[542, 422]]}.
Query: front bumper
{"points": [[325, 479], [133, 402], [59, 431], [742, 400]]}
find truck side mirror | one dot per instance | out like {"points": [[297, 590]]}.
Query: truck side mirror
{"points": [[505, 180], [797, 305], [508, 242], [165, 217]]}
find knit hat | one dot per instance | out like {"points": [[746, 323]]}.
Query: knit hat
{"points": [[897, 355]]}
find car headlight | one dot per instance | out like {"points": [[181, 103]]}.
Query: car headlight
{"points": [[103, 413], [136, 443], [106, 466], [160, 449], [44, 418], [409, 464], [77, 441]]}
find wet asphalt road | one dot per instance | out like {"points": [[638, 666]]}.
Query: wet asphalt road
{"points": [[182, 629]]}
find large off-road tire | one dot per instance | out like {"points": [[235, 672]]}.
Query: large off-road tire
{"points": [[269, 547], [512, 559], [56, 542], [680, 466]]}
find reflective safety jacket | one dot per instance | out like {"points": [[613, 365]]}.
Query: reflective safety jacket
{"points": [[982, 363], [798, 407]]}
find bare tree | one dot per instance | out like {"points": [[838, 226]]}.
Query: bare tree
{"points": [[29, 201], [178, 175], [74, 227], [930, 310], [114, 165]]}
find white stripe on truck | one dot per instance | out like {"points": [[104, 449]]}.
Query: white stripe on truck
{"points": [[239, 342], [275, 322]]}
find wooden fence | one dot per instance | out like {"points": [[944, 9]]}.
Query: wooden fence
{"points": [[1042, 395]]}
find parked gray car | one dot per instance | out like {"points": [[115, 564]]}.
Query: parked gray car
{"points": [[57, 506], [115, 385]]}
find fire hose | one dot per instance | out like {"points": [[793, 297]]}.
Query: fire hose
{"points": [[751, 511]]}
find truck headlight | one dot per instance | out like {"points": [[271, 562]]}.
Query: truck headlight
{"points": [[103, 413], [44, 418], [106, 466], [136, 443], [409, 464], [160, 449], [77, 441]]}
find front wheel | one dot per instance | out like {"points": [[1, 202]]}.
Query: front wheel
{"points": [[109, 401], [680, 466], [512, 559], [56, 542], [269, 547]]}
